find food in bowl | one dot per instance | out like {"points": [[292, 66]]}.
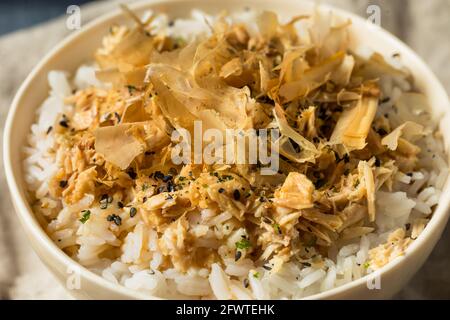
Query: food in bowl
{"points": [[361, 161]]}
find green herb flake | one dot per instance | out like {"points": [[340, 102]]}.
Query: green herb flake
{"points": [[256, 274], [86, 216], [131, 89], [224, 178], [366, 265], [243, 244], [179, 42], [277, 228]]}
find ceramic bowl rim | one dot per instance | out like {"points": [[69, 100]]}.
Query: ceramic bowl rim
{"points": [[30, 223]]}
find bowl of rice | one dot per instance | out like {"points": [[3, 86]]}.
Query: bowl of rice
{"points": [[355, 206]]}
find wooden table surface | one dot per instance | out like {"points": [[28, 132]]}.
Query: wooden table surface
{"points": [[424, 25]]}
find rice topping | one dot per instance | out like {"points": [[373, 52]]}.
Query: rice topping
{"points": [[115, 201]]}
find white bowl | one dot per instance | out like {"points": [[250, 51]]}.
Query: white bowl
{"points": [[78, 48]]}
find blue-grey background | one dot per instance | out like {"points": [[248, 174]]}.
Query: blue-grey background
{"points": [[29, 29], [18, 14]]}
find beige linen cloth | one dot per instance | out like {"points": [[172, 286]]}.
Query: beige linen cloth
{"points": [[423, 25]]}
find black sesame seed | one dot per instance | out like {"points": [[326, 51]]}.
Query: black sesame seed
{"points": [[158, 175], [49, 129], [167, 178], [319, 183], [237, 255], [381, 132], [114, 218], [131, 173], [297, 148], [221, 190], [170, 186], [120, 204], [133, 212], [63, 123], [131, 89], [246, 283], [306, 264], [267, 267], [267, 220], [236, 195], [118, 220], [63, 183], [377, 162]]}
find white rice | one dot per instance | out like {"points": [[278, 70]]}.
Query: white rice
{"points": [[293, 281]]}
